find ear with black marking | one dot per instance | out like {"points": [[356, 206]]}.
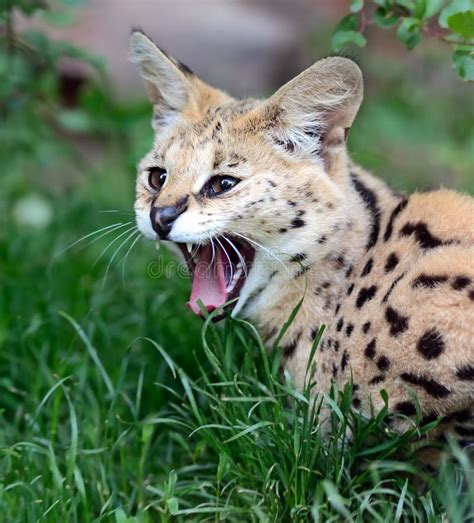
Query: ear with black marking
{"points": [[172, 87], [313, 112]]}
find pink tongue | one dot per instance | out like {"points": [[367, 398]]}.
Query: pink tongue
{"points": [[208, 281]]}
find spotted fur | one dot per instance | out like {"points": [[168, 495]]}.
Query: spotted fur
{"points": [[391, 277]]}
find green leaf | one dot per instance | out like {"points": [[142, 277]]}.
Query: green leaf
{"points": [[462, 24], [120, 516], [356, 5], [341, 39], [348, 23], [456, 6], [463, 61], [420, 9], [433, 7], [407, 4], [384, 17], [173, 505], [409, 33]]}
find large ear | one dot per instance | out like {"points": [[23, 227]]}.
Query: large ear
{"points": [[312, 113], [172, 87]]}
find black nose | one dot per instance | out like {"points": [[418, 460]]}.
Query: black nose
{"points": [[162, 218]]}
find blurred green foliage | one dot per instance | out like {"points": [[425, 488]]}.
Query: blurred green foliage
{"points": [[451, 21]]}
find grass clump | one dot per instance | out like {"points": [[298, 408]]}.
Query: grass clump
{"points": [[224, 437]]}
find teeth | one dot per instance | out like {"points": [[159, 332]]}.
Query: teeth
{"points": [[235, 278], [157, 245], [189, 246]]}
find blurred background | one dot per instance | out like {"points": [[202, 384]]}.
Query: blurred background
{"points": [[75, 121]]}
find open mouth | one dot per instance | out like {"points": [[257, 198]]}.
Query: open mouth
{"points": [[219, 270]]}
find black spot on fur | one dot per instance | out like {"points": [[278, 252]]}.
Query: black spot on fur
{"points": [[339, 325], [290, 348], [334, 370], [422, 235], [383, 363], [338, 261], [366, 327], [314, 333], [288, 145], [298, 257], [282, 230], [398, 209], [369, 351], [429, 281], [336, 345], [460, 283], [377, 379], [391, 263], [301, 212], [398, 322], [356, 402], [464, 431], [291, 203], [350, 289], [302, 270], [349, 271], [466, 373], [405, 407], [338, 308], [370, 201], [344, 360], [323, 239], [471, 295], [432, 387], [271, 183], [365, 294], [368, 267], [326, 285], [431, 344], [297, 223], [390, 290], [429, 418], [349, 329], [463, 416]]}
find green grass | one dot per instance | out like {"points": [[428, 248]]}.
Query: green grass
{"points": [[117, 404]]}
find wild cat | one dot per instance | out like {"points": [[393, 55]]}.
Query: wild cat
{"points": [[267, 207]]}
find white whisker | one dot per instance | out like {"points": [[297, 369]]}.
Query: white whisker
{"points": [[213, 247], [228, 258], [108, 228], [241, 258], [110, 211], [124, 259], [266, 250], [111, 243], [117, 250]]}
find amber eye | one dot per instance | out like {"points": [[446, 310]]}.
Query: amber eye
{"points": [[220, 184], [156, 178]]}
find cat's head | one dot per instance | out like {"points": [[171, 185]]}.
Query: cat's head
{"points": [[238, 183]]}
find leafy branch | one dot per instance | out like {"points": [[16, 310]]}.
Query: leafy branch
{"points": [[451, 22]]}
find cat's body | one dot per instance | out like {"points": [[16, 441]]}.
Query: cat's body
{"points": [[266, 188]]}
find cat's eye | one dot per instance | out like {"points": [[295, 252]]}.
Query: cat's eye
{"points": [[156, 178], [220, 184]]}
